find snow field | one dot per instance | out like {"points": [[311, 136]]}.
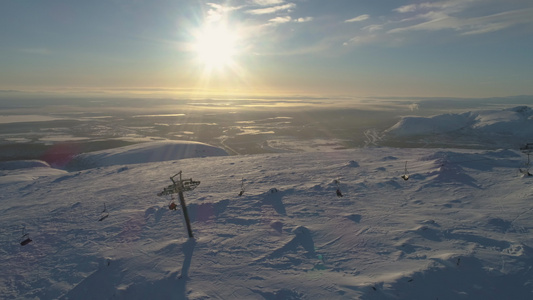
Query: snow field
{"points": [[457, 229]]}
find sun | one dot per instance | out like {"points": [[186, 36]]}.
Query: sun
{"points": [[216, 47]]}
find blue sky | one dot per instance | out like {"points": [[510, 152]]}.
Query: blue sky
{"points": [[353, 48]]}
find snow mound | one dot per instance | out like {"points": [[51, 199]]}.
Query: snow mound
{"points": [[144, 153], [497, 128], [25, 170]]}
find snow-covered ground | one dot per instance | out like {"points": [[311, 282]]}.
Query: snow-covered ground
{"points": [[502, 128], [144, 153], [458, 228]]}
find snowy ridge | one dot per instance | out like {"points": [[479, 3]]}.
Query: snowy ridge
{"points": [[493, 128], [23, 164], [459, 228], [144, 153], [25, 170]]}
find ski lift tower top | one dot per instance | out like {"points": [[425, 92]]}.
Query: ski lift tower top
{"points": [[182, 185], [527, 148]]}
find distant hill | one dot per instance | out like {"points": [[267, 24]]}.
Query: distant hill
{"points": [[144, 153], [29, 170], [505, 128]]}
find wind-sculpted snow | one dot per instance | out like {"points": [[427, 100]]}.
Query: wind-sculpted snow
{"points": [[272, 227], [506, 128], [143, 153]]}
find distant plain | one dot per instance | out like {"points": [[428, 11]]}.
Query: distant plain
{"points": [[39, 127]]}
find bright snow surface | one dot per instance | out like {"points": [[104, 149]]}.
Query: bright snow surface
{"points": [[458, 228]]}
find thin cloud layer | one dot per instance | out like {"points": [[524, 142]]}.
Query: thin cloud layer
{"points": [[271, 10], [395, 26], [281, 20], [433, 18], [268, 2], [455, 17], [358, 19]]}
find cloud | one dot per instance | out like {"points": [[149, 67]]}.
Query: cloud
{"points": [[414, 106], [435, 21], [217, 11], [462, 17], [406, 8], [363, 39], [268, 2], [280, 20], [303, 20], [499, 21], [270, 10], [358, 19], [450, 4], [372, 28]]}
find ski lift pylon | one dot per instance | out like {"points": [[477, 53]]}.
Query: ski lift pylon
{"points": [[178, 187]]}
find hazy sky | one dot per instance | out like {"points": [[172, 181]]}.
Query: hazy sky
{"points": [[465, 48]]}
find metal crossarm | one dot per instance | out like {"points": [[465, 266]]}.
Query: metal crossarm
{"points": [[181, 185], [527, 148]]}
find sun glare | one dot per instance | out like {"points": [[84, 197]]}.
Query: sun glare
{"points": [[216, 47]]}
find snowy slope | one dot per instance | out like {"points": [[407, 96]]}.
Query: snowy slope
{"points": [[459, 228], [504, 128], [25, 170], [143, 153]]}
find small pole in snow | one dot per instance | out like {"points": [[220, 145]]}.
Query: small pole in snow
{"points": [[526, 149], [338, 191], [242, 188], [25, 237], [405, 175]]}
